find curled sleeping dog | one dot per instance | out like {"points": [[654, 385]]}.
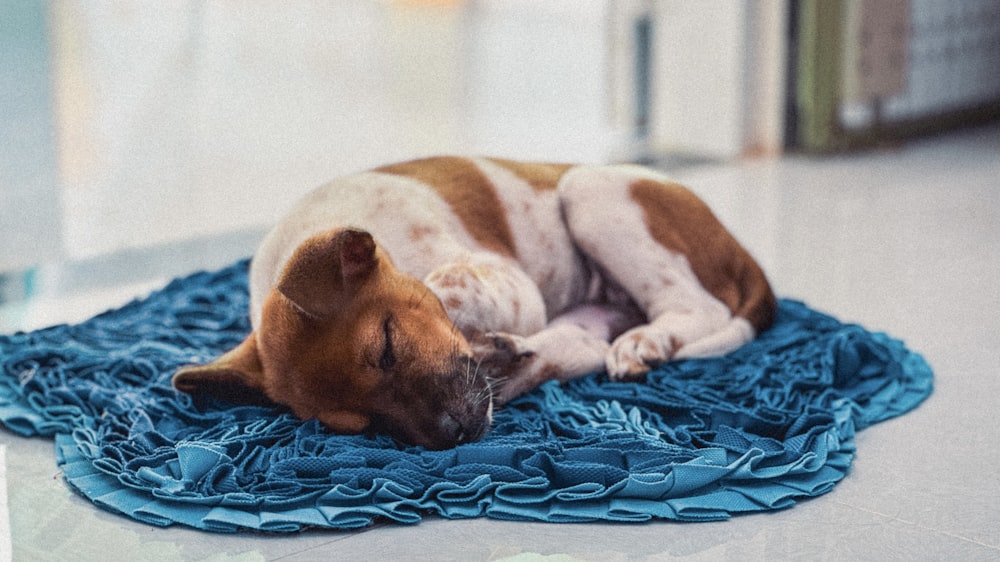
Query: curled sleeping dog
{"points": [[417, 297]]}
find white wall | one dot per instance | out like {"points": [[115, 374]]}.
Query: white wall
{"points": [[29, 187], [187, 119], [536, 79]]}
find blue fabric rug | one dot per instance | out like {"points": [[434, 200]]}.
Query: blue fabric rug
{"points": [[757, 430]]}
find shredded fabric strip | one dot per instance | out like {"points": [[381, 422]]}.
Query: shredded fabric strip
{"points": [[759, 429]]}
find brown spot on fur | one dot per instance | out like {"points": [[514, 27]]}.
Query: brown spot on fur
{"points": [[468, 192], [638, 340], [541, 177], [419, 231], [548, 372], [675, 345], [452, 281], [682, 222]]}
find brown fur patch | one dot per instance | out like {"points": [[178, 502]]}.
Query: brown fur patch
{"points": [[420, 231], [468, 192], [541, 177], [682, 222]]}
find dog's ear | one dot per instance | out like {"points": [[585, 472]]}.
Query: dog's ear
{"points": [[326, 266], [345, 421], [236, 376], [357, 253]]}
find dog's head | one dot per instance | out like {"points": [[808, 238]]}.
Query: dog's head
{"points": [[349, 340]]}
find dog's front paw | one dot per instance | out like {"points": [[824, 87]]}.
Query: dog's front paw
{"points": [[507, 361], [638, 350], [498, 353]]}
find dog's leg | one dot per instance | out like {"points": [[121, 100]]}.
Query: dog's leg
{"points": [[501, 311], [642, 237], [483, 292], [572, 345]]}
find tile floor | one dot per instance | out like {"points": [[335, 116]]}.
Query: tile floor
{"points": [[906, 241]]}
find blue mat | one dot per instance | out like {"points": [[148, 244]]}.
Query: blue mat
{"points": [[757, 430]]}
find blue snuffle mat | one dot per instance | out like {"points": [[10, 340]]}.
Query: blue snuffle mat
{"points": [[756, 430]]}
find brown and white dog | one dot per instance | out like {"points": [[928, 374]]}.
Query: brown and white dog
{"points": [[415, 298]]}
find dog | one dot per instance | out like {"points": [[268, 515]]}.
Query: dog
{"points": [[415, 298]]}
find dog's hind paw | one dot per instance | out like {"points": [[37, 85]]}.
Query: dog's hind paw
{"points": [[638, 350]]}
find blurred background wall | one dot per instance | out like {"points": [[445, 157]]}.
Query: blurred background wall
{"points": [[179, 126]]}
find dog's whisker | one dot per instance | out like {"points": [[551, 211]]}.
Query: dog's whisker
{"points": [[416, 297], [493, 382], [483, 394], [468, 373]]}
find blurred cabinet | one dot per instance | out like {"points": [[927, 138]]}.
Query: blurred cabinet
{"points": [[704, 78], [874, 71]]}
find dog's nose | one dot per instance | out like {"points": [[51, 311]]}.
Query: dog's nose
{"points": [[454, 428], [462, 431]]}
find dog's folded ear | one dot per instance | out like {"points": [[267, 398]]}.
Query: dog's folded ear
{"points": [[234, 377], [345, 421], [325, 267]]}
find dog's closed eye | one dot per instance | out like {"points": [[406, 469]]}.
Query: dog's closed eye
{"points": [[388, 357]]}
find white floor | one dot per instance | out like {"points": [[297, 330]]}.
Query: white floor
{"points": [[906, 241]]}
